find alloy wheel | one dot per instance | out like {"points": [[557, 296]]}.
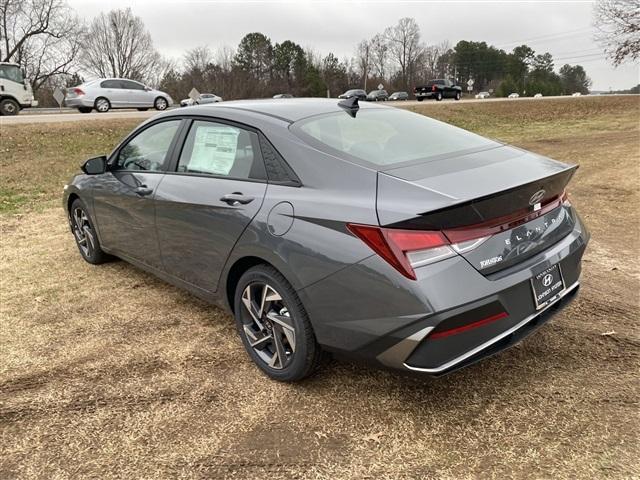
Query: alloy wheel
{"points": [[267, 325], [102, 105], [161, 104], [83, 232]]}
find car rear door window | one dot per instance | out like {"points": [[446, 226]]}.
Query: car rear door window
{"points": [[110, 84], [219, 149], [147, 151], [130, 85]]}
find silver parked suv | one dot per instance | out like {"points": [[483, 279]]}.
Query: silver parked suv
{"points": [[104, 94]]}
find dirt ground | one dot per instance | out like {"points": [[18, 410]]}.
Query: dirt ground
{"points": [[107, 372]]}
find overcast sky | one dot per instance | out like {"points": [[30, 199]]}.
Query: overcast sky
{"points": [[562, 28]]}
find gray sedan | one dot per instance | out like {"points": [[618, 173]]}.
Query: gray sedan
{"points": [[328, 226], [106, 93]]}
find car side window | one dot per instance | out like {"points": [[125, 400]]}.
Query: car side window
{"points": [[222, 150], [110, 84], [130, 85], [147, 150]]}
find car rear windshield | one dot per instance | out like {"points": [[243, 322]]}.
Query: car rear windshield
{"points": [[387, 136]]}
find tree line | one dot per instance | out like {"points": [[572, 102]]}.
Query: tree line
{"points": [[57, 49]]}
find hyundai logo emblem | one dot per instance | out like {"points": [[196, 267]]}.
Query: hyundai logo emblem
{"points": [[537, 197], [547, 279]]}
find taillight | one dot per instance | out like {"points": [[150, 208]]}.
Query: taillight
{"points": [[433, 88], [404, 249], [78, 91]]}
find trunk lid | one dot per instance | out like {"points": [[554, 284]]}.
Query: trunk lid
{"points": [[512, 196]]}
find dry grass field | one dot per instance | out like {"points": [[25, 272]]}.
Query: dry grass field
{"points": [[107, 372]]}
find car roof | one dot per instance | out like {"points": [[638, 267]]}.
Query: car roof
{"points": [[289, 110]]}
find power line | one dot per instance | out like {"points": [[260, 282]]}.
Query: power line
{"points": [[583, 30]]}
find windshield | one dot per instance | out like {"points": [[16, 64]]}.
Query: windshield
{"points": [[11, 72], [388, 136]]}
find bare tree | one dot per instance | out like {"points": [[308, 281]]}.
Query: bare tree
{"points": [[224, 57], [43, 36], [404, 46], [117, 44], [198, 58], [363, 60], [618, 24], [379, 55]]}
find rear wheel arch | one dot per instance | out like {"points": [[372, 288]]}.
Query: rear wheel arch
{"points": [[236, 271]]}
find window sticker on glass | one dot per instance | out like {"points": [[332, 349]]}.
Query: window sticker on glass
{"points": [[214, 149]]}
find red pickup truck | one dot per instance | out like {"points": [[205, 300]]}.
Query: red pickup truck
{"points": [[438, 89]]}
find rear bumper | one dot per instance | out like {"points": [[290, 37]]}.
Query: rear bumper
{"points": [[78, 102], [368, 311], [424, 94], [492, 346]]}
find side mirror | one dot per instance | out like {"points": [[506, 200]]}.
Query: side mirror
{"points": [[147, 89], [95, 166]]}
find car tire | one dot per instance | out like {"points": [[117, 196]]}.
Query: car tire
{"points": [[439, 96], [143, 109], [102, 105], [281, 316], [85, 234], [457, 97], [160, 103], [420, 99], [85, 109], [9, 107]]}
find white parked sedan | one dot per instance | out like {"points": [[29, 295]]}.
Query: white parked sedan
{"points": [[576, 94], [537, 95], [104, 94], [514, 95], [483, 95], [201, 100]]}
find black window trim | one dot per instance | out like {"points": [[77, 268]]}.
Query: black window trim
{"points": [[172, 167], [170, 164], [113, 157]]}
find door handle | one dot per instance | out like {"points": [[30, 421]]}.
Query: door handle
{"points": [[236, 198], [143, 190]]}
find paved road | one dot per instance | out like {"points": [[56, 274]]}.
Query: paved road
{"points": [[73, 117], [68, 115]]}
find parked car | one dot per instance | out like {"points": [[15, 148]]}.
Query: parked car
{"points": [[514, 95], [576, 94], [537, 95], [399, 96], [283, 95], [203, 99], [438, 89], [357, 92], [377, 96], [107, 93], [325, 225], [482, 95]]}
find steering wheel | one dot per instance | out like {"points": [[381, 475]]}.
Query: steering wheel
{"points": [[140, 162]]}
